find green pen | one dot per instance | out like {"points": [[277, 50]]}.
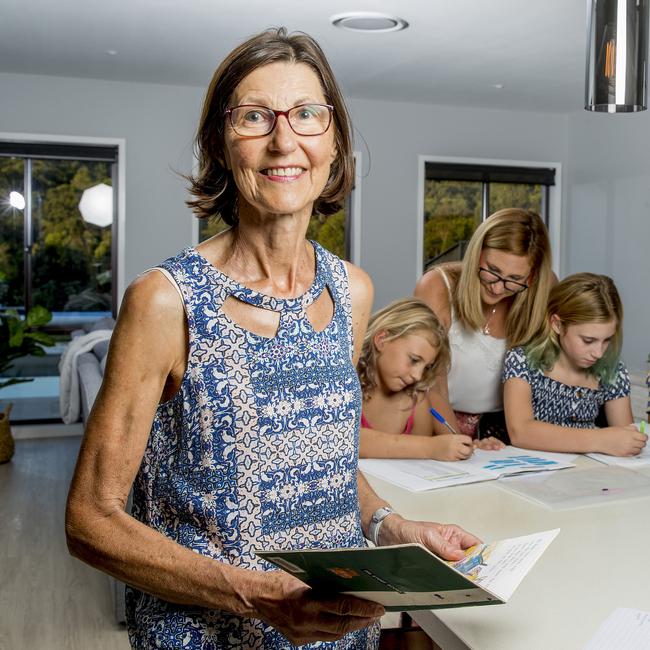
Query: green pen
{"points": [[642, 426]]}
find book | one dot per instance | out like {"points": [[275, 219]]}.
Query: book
{"points": [[418, 475], [407, 577]]}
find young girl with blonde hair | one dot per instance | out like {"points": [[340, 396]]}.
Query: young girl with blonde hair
{"points": [[492, 300], [404, 347], [555, 386]]}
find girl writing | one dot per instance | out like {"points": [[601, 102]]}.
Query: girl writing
{"points": [[404, 348], [555, 386]]}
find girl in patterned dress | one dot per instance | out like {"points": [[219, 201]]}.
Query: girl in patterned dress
{"points": [[555, 386], [230, 399], [404, 347]]}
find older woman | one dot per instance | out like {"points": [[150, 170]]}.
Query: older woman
{"points": [[230, 388], [495, 299]]}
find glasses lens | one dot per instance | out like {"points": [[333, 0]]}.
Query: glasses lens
{"points": [[252, 120], [310, 119], [487, 276], [514, 287]]}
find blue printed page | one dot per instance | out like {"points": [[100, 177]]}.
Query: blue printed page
{"points": [[513, 460]]}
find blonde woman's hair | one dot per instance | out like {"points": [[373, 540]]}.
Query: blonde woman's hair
{"points": [[401, 318], [578, 299], [520, 232]]}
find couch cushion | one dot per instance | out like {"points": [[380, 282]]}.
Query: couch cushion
{"points": [[101, 348]]}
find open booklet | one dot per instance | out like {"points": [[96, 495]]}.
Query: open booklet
{"points": [[419, 475], [408, 576]]}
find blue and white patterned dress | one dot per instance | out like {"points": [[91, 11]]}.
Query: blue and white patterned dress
{"points": [[258, 449], [561, 404]]}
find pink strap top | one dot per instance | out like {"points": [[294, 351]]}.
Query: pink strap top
{"points": [[407, 429]]}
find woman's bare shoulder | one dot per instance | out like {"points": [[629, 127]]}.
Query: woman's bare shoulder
{"points": [[152, 295], [360, 283], [432, 288]]}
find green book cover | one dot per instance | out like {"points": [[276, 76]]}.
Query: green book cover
{"points": [[408, 576]]}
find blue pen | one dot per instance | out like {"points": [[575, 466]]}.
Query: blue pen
{"points": [[442, 420]]}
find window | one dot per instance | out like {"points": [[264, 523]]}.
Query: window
{"points": [[57, 229], [459, 196]]}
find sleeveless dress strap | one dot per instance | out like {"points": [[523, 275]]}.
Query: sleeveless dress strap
{"points": [[446, 281]]}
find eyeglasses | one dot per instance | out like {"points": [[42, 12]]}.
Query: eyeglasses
{"points": [[490, 277], [252, 121]]}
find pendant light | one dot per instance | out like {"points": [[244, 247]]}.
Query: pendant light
{"points": [[617, 56]]}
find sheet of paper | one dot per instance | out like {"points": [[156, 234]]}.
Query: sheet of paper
{"points": [[580, 487], [501, 566], [514, 460], [623, 628], [418, 475], [631, 462]]}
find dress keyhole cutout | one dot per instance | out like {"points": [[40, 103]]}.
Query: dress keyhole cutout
{"points": [[257, 320], [321, 311]]}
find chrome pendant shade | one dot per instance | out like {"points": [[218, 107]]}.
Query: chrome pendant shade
{"points": [[617, 56]]}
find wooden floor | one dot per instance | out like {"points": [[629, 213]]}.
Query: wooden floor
{"points": [[48, 600]]}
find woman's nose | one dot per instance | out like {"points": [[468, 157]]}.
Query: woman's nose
{"points": [[283, 138]]}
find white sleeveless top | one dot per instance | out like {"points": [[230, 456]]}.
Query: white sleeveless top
{"points": [[474, 379]]}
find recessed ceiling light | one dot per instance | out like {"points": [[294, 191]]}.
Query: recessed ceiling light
{"points": [[497, 86], [368, 21], [111, 52]]}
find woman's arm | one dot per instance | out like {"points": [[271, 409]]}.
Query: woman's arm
{"points": [[446, 540], [525, 431], [146, 360]]}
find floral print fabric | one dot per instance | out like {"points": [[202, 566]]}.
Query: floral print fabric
{"points": [[258, 449], [561, 404]]}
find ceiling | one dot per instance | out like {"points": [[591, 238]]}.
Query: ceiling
{"points": [[454, 52]]}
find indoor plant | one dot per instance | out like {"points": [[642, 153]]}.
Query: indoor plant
{"points": [[19, 337]]}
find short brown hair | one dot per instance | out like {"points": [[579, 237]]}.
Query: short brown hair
{"points": [[213, 186]]}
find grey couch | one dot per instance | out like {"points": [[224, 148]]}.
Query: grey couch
{"points": [[90, 367]]}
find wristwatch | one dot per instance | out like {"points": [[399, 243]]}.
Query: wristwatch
{"points": [[376, 521]]}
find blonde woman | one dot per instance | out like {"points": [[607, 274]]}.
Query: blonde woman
{"points": [[555, 386], [404, 347], [493, 300]]}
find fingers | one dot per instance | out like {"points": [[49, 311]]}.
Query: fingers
{"points": [[351, 606]]}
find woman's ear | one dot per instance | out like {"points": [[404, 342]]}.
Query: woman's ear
{"points": [[379, 340], [556, 324]]}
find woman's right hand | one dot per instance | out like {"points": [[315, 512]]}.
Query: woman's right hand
{"points": [[622, 441], [450, 446], [291, 607]]}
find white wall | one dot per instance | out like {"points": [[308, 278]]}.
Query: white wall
{"points": [[608, 216], [396, 134], [158, 123]]}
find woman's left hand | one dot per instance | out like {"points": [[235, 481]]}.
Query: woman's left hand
{"points": [[446, 540], [490, 444]]}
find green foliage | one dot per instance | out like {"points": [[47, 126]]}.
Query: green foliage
{"points": [[452, 211], [329, 232], [20, 337]]}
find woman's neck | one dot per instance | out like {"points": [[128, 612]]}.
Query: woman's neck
{"points": [[269, 255]]}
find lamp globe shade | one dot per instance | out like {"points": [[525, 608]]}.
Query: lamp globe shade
{"points": [[96, 205]]}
